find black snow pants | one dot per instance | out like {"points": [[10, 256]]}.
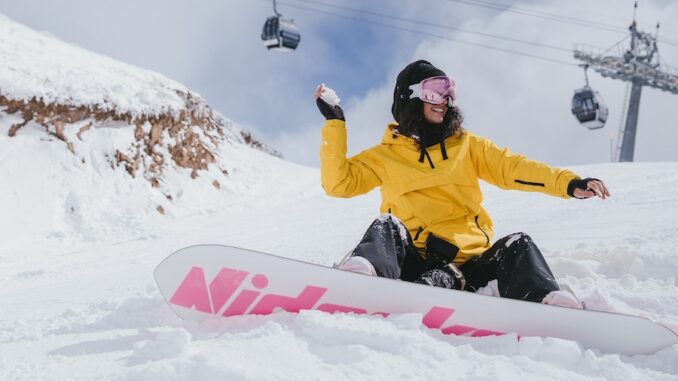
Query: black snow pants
{"points": [[514, 261]]}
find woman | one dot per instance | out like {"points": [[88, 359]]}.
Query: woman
{"points": [[434, 230]]}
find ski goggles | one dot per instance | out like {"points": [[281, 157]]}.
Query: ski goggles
{"points": [[435, 90]]}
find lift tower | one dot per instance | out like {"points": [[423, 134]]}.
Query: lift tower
{"points": [[639, 64]]}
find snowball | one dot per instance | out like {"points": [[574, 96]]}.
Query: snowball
{"points": [[329, 95]]}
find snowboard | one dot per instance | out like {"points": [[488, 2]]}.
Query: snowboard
{"points": [[213, 281]]}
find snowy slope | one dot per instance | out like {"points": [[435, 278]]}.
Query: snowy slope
{"points": [[91, 145], [39, 65], [88, 308], [80, 238]]}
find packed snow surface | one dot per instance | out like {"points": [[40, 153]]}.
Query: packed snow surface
{"points": [[80, 244], [80, 239]]}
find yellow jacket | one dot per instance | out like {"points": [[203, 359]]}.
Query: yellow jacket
{"points": [[444, 200]]}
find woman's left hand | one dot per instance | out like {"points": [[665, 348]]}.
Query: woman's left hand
{"points": [[590, 187]]}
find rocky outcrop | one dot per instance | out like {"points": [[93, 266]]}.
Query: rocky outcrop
{"points": [[188, 138]]}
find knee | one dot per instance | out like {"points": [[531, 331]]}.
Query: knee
{"points": [[519, 239], [389, 219], [392, 222]]}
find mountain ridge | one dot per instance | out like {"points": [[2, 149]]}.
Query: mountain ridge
{"points": [[71, 92]]}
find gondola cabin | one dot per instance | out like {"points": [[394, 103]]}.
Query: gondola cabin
{"points": [[280, 35], [589, 108]]}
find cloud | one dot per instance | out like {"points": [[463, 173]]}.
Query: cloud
{"points": [[213, 47], [524, 103], [153, 34]]}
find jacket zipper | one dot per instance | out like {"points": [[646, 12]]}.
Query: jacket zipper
{"points": [[418, 232], [487, 237], [529, 183]]}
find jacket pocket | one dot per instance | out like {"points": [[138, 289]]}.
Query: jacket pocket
{"points": [[439, 252], [529, 183]]}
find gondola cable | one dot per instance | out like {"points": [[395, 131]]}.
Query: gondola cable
{"points": [[429, 34], [436, 25]]}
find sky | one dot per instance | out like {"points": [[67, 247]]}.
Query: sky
{"points": [[214, 48]]}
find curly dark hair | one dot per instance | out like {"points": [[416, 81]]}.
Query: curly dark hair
{"points": [[413, 124]]}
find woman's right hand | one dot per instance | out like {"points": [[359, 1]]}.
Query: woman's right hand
{"points": [[319, 91], [329, 112]]}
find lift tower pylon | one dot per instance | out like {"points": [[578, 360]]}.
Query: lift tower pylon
{"points": [[639, 64]]}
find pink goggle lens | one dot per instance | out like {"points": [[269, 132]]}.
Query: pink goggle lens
{"points": [[435, 90]]}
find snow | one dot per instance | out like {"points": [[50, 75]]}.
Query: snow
{"points": [[513, 239], [84, 304], [39, 65], [329, 95], [79, 241], [402, 230]]}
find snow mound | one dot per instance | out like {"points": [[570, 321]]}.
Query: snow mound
{"points": [[78, 131], [38, 65], [91, 304], [70, 91]]}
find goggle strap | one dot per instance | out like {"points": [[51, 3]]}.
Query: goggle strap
{"points": [[416, 90]]}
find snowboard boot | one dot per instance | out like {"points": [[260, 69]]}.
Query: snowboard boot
{"points": [[357, 265], [448, 276], [564, 297]]}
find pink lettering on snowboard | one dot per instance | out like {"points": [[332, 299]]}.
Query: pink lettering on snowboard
{"points": [[194, 293], [224, 285], [332, 308], [305, 301], [436, 316]]}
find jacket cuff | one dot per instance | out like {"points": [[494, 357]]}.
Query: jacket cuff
{"points": [[578, 183], [571, 186], [334, 123]]}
